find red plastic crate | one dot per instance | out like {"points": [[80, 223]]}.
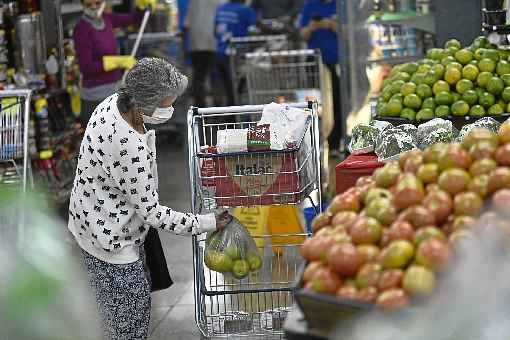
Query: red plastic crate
{"points": [[353, 167]]}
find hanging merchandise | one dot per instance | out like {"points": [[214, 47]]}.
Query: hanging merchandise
{"points": [[51, 66], [423, 6], [41, 114], [30, 43]]}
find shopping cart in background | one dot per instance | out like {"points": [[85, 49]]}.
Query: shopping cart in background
{"points": [[237, 50], [15, 169], [254, 307], [290, 77]]}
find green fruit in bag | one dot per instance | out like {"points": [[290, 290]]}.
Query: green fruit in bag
{"points": [[254, 261], [218, 261], [233, 251], [240, 269]]}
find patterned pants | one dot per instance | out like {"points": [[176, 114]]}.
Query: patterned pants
{"points": [[123, 296]]}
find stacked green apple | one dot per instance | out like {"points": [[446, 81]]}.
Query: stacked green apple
{"points": [[385, 240], [451, 81], [231, 254]]}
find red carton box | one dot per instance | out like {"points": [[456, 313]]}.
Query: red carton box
{"points": [[254, 179], [354, 167]]}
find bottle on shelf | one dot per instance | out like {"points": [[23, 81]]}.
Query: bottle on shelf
{"points": [[28, 6], [378, 8], [423, 6], [411, 41], [392, 6]]}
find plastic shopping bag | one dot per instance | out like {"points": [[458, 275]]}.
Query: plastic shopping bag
{"points": [[232, 251]]}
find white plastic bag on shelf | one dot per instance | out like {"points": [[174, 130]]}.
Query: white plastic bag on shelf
{"points": [[232, 140], [286, 124]]}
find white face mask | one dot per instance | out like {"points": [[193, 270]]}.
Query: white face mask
{"points": [[161, 115], [95, 13]]}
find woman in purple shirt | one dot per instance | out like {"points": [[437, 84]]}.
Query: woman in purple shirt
{"points": [[97, 51]]}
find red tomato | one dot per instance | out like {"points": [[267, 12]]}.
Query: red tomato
{"points": [[320, 221], [392, 299], [344, 259], [344, 218], [368, 252], [390, 278], [326, 281], [401, 230], [440, 204], [434, 254], [367, 294], [368, 275], [366, 230], [347, 293], [311, 270]]}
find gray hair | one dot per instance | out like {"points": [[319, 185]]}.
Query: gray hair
{"points": [[149, 82]]}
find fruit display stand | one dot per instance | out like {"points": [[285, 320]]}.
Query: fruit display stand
{"points": [[352, 168], [389, 243]]}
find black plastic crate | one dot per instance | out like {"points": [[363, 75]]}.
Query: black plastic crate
{"points": [[324, 312]]}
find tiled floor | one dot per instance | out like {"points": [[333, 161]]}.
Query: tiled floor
{"points": [[173, 309]]}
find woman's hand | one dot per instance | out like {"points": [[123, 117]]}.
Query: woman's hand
{"points": [[222, 219]]}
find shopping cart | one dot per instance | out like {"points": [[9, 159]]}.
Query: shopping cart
{"points": [[14, 158], [237, 50], [254, 307], [292, 76], [286, 76]]}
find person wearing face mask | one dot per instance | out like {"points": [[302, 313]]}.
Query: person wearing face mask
{"points": [[319, 29], [97, 51], [115, 201]]}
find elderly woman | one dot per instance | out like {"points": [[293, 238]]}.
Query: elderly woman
{"points": [[115, 201]]}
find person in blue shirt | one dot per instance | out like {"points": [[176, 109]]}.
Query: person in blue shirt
{"points": [[233, 19], [319, 28]]}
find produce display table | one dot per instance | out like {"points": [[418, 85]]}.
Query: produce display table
{"points": [[354, 167], [296, 327]]}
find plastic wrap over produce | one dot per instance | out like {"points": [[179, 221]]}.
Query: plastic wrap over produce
{"points": [[486, 122], [435, 131], [232, 251], [363, 139], [411, 130], [393, 142]]}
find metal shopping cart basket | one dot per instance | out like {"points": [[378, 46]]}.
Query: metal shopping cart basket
{"points": [[292, 76], [237, 50], [14, 158], [286, 76], [254, 307]]}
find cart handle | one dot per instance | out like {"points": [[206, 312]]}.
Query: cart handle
{"points": [[244, 108], [15, 93], [281, 53], [258, 38]]}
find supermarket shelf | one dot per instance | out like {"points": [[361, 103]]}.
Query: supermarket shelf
{"points": [[394, 60], [425, 22], [73, 7]]}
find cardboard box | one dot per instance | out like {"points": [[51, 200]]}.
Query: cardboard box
{"points": [[257, 179]]}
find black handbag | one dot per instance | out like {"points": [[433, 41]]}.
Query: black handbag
{"points": [[156, 262]]}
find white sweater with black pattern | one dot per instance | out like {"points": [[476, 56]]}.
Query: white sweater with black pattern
{"points": [[114, 200]]}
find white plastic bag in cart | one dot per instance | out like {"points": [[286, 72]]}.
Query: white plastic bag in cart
{"points": [[232, 140], [232, 251], [286, 124]]}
